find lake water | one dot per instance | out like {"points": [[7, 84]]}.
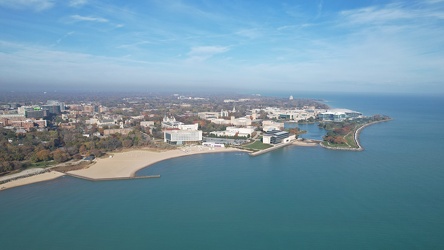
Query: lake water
{"points": [[312, 130], [390, 196]]}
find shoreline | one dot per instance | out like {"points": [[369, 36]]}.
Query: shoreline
{"points": [[306, 143], [355, 137], [46, 176], [126, 164], [120, 165]]}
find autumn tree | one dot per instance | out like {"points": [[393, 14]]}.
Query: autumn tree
{"points": [[60, 156], [43, 155]]}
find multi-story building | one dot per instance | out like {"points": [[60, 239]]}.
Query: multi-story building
{"points": [[338, 115], [208, 115], [52, 109], [277, 136], [180, 137], [170, 123], [242, 121], [56, 103], [269, 125], [234, 131]]}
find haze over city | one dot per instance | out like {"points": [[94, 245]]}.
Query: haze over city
{"points": [[347, 46]]}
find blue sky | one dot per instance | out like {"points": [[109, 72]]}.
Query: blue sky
{"points": [[336, 45]]}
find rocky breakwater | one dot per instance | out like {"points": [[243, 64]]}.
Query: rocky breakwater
{"points": [[23, 174]]}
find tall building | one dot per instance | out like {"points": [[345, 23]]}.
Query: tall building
{"points": [[52, 109], [56, 103], [178, 137]]}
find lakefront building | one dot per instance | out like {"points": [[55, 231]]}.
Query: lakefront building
{"points": [[179, 133], [338, 115], [170, 123], [277, 136], [180, 137]]}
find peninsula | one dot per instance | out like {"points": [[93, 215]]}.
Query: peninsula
{"points": [[345, 135]]}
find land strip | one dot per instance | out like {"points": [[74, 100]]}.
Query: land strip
{"points": [[355, 138]]}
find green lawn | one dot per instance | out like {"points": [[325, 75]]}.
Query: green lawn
{"points": [[257, 145], [42, 164]]}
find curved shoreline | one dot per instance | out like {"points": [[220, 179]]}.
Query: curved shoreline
{"points": [[44, 176], [355, 137], [119, 165], [126, 164]]}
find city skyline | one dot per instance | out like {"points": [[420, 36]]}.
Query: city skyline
{"points": [[344, 46]]}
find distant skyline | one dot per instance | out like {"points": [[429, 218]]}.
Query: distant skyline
{"points": [[341, 45]]}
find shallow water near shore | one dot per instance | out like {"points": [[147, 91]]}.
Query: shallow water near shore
{"points": [[390, 196]]}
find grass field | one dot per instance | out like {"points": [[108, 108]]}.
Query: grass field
{"points": [[257, 145]]}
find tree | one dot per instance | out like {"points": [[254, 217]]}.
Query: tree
{"points": [[127, 143], [82, 149], [43, 155], [96, 152], [60, 156]]}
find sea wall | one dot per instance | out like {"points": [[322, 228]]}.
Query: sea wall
{"points": [[271, 149]]}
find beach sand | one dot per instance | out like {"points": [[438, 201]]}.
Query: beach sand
{"points": [[31, 179], [126, 164]]}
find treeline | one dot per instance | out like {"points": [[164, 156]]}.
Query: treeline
{"points": [[22, 150]]}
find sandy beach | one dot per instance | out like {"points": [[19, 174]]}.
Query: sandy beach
{"points": [[31, 179], [126, 164], [122, 164]]}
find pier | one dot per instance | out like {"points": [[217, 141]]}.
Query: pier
{"points": [[277, 146], [112, 178]]}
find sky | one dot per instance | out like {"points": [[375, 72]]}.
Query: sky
{"points": [[323, 45]]}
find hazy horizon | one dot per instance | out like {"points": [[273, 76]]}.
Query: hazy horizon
{"points": [[340, 46]]}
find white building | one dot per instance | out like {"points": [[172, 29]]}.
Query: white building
{"points": [[170, 122], [269, 125], [221, 121], [242, 131], [277, 136], [224, 113], [242, 121], [178, 137], [338, 115], [194, 126], [208, 115], [234, 131]]}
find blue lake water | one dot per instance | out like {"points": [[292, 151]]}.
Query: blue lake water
{"points": [[313, 131], [390, 196]]}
